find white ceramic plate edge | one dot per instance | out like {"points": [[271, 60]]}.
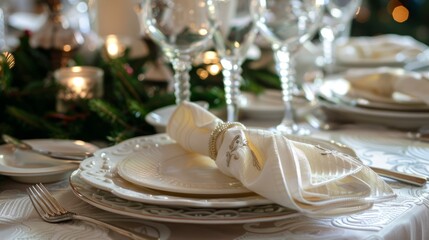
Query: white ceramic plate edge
{"points": [[150, 168]]}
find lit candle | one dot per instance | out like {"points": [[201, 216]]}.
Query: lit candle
{"points": [[115, 46], [78, 87], [78, 83]]}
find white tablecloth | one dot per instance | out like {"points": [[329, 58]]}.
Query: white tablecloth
{"points": [[407, 217]]}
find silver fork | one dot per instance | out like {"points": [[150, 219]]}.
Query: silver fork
{"points": [[51, 211]]}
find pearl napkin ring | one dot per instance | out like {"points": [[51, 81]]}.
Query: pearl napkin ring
{"points": [[219, 130]]}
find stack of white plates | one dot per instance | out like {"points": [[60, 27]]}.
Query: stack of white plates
{"points": [[152, 177], [343, 103]]}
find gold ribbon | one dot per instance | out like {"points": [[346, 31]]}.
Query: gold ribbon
{"points": [[219, 130]]}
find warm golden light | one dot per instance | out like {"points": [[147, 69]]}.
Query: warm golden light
{"points": [[214, 69], [203, 74], [9, 58], [67, 48], [210, 57], [77, 85], [400, 14], [203, 31], [76, 69], [79, 142], [114, 47]]}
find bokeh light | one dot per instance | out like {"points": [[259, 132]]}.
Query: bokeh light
{"points": [[400, 14]]}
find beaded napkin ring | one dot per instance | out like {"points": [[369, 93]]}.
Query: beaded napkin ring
{"points": [[219, 130]]}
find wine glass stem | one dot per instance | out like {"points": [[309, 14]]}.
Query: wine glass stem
{"points": [[182, 91], [328, 41], [232, 81], [285, 68]]}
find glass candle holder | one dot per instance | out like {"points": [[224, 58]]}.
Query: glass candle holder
{"points": [[76, 84]]}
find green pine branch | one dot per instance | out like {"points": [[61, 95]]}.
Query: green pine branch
{"points": [[33, 121], [108, 112]]}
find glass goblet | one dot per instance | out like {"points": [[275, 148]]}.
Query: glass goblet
{"points": [[287, 24], [182, 30], [337, 17], [234, 34]]}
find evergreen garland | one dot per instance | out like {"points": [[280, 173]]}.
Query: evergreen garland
{"points": [[28, 97]]}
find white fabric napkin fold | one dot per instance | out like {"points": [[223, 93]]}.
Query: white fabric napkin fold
{"points": [[297, 175], [380, 84], [388, 47]]}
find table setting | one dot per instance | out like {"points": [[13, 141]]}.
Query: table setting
{"points": [[378, 95], [332, 143]]}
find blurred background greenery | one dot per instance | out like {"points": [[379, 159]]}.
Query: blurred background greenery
{"points": [[405, 17], [27, 99]]}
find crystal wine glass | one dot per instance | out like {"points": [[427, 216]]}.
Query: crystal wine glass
{"points": [[287, 24], [182, 29], [337, 17], [234, 34]]}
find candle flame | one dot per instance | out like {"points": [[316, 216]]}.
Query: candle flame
{"points": [[78, 84], [114, 47]]}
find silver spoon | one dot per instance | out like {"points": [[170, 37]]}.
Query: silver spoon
{"points": [[68, 157]]}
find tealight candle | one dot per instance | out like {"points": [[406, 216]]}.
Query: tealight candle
{"points": [[78, 83]]}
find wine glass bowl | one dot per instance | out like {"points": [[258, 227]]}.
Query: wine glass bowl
{"points": [[337, 17], [287, 24], [182, 29], [234, 34]]}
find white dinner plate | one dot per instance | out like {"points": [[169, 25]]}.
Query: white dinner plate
{"points": [[24, 166], [129, 191], [100, 171], [112, 203], [171, 168], [159, 117], [382, 50]]}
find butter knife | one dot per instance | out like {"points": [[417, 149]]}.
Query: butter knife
{"points": [[68, 157], [413, 179], [416, 180]]}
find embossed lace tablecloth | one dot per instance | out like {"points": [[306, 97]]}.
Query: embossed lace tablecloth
{"points": [[406, 217]]}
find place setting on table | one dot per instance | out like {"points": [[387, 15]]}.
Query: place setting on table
{"points": [[388, 96]]}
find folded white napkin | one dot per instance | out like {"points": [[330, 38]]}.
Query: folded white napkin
{"points": [[388, 47], [381, 84], [297, 175]]}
